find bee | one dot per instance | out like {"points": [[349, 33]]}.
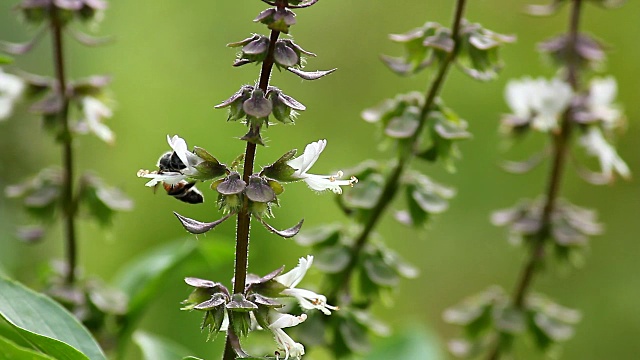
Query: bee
{"points": [[184, 190]]}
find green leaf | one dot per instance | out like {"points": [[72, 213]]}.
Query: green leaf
{"points": [[411, 343], [158, 348], [333, 259], [46, 324], [366, 194], [320, 236], [142, 278], [405, 125], [379, 271], [10, 350]]}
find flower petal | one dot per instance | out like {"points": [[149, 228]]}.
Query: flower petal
{"points": [[305, 161], [295, 275]]}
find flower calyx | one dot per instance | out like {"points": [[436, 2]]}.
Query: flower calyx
{"points": [[254, 49], [476, 49], [289, 54], [277, 19], [37, 11]]}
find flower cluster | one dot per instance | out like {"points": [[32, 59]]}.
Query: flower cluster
{"points": [[179, 170], [259, 306], [64, 10], [476, 49], [489, 314], [538, 103], [542, 105]]}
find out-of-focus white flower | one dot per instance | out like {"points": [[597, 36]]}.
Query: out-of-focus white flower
{"points": [[540, 101], [285, 342], [518, 96], [307, 299], [11, 89], [304, 162], [610, 161], [549, 102], [95, 111], [602, 93]]}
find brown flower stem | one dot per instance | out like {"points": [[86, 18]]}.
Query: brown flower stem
{"points": [[68, 203], [561, 141], [392, 182], [243, 227]]}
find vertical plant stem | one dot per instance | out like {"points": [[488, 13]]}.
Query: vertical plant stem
{"points": [[561, 142], [68, 203], [391, 183], [243, 226]]}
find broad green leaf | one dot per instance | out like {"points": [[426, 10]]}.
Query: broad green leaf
{"points": [[158, 348], [11, 351], [412, 343], [142, 278], [46, 324]]}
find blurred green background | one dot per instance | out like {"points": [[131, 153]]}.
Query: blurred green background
{"points": [[171, 66]]}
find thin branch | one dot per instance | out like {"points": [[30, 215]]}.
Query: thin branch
{"points": [[68, 203], [560, 146], [391, 184]]}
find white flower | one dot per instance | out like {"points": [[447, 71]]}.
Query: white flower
{"points": [[169, 177], [518, 95], [304, 162], [610, 161], [306, 298], [285, 342], [602, 93], [95, 111], [11, 89], [189, 159], [549, 102], [540, 100]]}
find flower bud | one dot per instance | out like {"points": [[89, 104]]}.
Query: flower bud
{"points": [[277, 19], [283, 106]]}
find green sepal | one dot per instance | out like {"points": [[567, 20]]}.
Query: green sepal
{"points": [[478, 51], [240, 322], [280, 170], [210, 168]]}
